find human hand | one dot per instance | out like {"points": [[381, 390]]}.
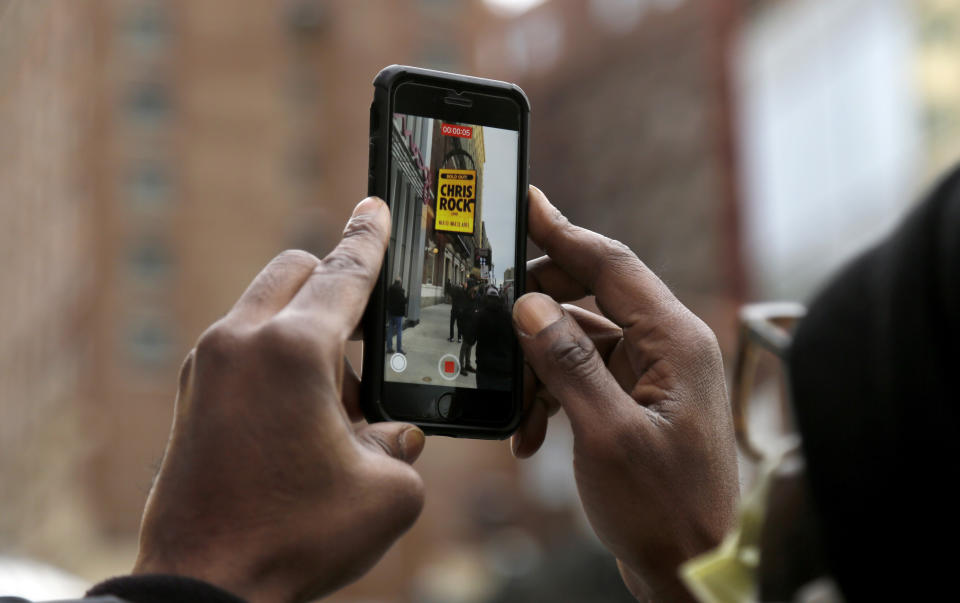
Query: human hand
{"points": [[265, 488], [643, 387]]}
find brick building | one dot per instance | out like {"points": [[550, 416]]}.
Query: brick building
{"points": [[47, 242], [155, 156], [631, 133]]}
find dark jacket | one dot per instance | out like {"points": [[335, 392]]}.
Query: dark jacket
{"points": [[467, 319], [494, 340], [457, 296], [150, 589], [874, 373], [396, 300]]}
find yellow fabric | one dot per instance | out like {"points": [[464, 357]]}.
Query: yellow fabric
{"points": [[729, 573]]}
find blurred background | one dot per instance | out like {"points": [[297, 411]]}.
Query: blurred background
{"points": [[155, 154]]}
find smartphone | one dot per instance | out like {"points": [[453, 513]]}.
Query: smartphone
{"points": [[449, 155]]}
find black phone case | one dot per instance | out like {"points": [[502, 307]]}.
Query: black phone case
{"points": [[377, 181]]}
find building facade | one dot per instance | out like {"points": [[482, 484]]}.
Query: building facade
{"points": [[156, 155], [48, 269], [630, 132], [429, 262], [455, 257], [411, 191]]}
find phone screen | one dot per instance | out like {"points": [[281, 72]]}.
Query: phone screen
{"points": [[451, 258]]}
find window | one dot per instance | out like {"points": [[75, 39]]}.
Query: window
{"points": [[146, 26], [307, 17], [149, 185], [149, 102], [150, 261], [149, 341]]}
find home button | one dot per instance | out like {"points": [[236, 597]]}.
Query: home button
{"points": [[447, 408]]}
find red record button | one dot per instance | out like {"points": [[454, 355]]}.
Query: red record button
{"points": [[449, 367]]}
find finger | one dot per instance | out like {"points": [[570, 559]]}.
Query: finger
{"points": [[336, 292], [274, 287], [184, 400], [532, 431], [351, 391], [530, 388], [540, 404], [568, 363], [604, 334], [608, 338], [401, 441], [626, 290], [550, 403], [637, 587], [545, 276]]}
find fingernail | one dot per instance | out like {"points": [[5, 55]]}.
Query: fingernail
{"points": [[411, 442], [515, 442], [534, 312], [367, 206]]}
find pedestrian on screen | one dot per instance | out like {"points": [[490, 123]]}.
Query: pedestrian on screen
{"points": [[458, 294], [494, 342], [396, 310], [468, 328]]}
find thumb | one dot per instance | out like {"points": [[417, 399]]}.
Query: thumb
{"points": [[566, 360], [401, 441]]}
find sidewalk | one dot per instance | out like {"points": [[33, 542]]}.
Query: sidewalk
{"points": [[424, 345]]}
